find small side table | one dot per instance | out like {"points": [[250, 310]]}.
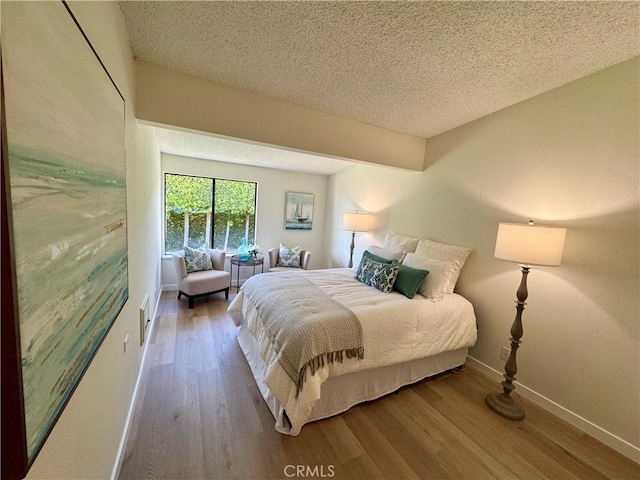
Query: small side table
{"points": [[252, 262]]}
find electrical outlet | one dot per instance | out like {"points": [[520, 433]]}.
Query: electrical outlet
{"points": [[126, 342], [504, 353]]}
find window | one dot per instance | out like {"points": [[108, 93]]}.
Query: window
{"points": [[208, 211]]}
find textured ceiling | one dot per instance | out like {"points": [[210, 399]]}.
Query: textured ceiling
{"points": [[415, 67], [231, 151]]}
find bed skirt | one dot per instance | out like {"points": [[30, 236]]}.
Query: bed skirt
{"points": [[343, 392]]}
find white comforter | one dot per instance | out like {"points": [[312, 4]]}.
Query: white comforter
{"points": [[395, 330]]}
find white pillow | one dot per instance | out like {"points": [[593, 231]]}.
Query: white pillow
{"points": [[448, 253], [386, 253], [440, 273], [399, 242]]}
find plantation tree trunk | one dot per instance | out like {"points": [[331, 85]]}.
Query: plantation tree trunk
{"points": [[207, 234], [246, 227], [186, 228], [226, 236]]}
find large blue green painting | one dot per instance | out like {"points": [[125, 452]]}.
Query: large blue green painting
{"points": [[65, 137]]}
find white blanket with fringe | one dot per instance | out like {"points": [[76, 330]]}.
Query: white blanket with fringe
{"points": [[395, 329], [307, 327]]}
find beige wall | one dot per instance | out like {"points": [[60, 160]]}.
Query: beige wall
{"points": [[169, 98], [85, 441], [272, 187], [568, 157]]}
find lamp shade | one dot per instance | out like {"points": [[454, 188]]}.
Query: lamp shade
{"points": [[355, 221], [530, 244]]}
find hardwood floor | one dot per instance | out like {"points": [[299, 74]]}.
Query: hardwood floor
{"points": [[199, 415]]}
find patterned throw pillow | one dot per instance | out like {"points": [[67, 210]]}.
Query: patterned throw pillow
{"points": [[197, 259], [376, 274], [289, 257]]}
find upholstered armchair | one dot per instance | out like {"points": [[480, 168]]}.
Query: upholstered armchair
{"points": [[274, 254], [204, 282]]}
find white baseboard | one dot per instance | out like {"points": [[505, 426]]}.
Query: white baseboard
{"points": [[115, 473], [608, 438]]}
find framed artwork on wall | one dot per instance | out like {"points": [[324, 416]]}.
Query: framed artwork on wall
{"points": [[298, 212], [65, 197]]}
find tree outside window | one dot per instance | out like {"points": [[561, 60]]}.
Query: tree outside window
{"points": [[202, 211]]}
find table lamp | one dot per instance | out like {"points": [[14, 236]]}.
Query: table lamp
{"points": [[355, 222]]}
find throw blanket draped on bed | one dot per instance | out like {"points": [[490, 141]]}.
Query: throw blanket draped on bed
{"points": [[306, 326]]}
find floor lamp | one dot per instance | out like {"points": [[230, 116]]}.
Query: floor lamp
{"points": [[526, 244], [355, 222]]}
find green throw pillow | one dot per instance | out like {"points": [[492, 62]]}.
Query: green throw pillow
{"points": [[409, 279]]}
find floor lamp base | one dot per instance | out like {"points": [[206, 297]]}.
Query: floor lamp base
{"points": [[504, 406]]}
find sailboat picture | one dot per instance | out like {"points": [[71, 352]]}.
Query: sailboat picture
{"points": [[298, 211]]}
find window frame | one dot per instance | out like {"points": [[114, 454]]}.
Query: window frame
{"points": [[210, 240]]}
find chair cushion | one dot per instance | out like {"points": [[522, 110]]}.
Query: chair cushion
{"points": [[205, 281], [285, 269], [197, 259]]}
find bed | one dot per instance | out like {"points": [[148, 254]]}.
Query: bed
{"points": [[404, 340]]}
